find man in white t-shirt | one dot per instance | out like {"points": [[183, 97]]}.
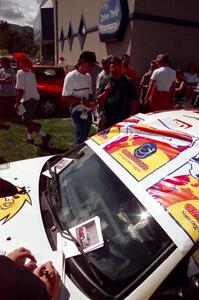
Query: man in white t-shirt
{"points": [[27, 99], [162, 86], [105, 72], [77, 92]]}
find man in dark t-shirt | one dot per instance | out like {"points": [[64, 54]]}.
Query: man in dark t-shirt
{"points": [[116, 94]]}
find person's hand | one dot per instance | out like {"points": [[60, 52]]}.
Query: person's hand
{"points": [[107, 88], [49, 275], [19, 256], [16, 106], [90, 103]]}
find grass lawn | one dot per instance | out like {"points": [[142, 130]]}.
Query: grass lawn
{"points": [[12, 146]]}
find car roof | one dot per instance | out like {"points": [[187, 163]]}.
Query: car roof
{"points": [[156, 156], [46, 66]]}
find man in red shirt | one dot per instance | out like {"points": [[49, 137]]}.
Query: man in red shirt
{"points": [[127, 69]]}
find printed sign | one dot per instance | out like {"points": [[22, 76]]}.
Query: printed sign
{"points": [[141, 155], [182, 124], [179, 195], [88, 234], [113, 20], [106, 135], [58, 167], [125, 126]]}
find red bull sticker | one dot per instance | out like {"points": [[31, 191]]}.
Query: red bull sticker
{"points": [[179, 195], [140, 155]]}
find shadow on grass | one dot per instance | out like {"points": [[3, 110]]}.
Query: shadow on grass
{"points": [[4, 126], [50, 150], [57, 115], [2, 160]]}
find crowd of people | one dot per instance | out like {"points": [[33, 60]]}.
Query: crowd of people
{"points": [[108, 92], [118, 93]]}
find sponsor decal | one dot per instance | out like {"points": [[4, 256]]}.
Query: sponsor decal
{"points": [[179, 195], [141, 156], [145, 150], [182, 124], [193, 211], [106, 135], [12, 199]]}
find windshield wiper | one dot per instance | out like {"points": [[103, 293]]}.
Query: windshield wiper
{"points": [[60, 226], [55, 183]]}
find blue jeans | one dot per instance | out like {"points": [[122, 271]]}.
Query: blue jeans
{"points": [[81, 126]]}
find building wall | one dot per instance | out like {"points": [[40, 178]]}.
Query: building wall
{"points": [[44, 32], [159, 33], [71, 11], [178, 41], [181, 9], [154, 26]]}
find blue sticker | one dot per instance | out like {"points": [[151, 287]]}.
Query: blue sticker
{"points": [[145, 150]]}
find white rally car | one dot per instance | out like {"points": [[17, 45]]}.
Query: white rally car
{"points": [[141, 178]]}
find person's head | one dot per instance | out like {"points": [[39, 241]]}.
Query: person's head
{"points": [[23, 61], [153, 65], [86, 62], [162, 60], [116, 67], [179, 74], [61, 58], [5, 62], [106, 63], [192, 67], [125, 60]]}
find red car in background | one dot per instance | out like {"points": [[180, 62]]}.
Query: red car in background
{"points": [[50, 81]]}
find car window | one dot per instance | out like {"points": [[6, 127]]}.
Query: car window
{"points": [[49, 73], [133, 240]]}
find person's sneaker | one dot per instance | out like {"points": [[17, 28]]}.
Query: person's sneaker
{"points": [[29, 141], [45, 140]]}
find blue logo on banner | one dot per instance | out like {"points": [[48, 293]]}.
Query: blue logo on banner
{"points": [[145, 150]]}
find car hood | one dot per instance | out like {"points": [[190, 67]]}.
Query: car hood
{"points": [[20, 205], [156, 156]]}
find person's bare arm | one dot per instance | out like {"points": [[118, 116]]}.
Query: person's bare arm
{"points": [[50, 277], [19, 95], [9, 81], [20, 255], [181, 88], [102, 96], [149, 91], [2, 80]]}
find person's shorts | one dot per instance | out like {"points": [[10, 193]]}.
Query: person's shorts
{"points": [[31, 106]]}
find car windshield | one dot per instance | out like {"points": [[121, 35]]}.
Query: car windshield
{"points": [[133, 240]]}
